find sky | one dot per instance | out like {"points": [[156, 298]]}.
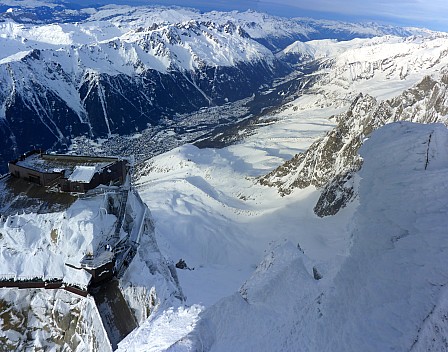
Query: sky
{"points": [[431, 14]]}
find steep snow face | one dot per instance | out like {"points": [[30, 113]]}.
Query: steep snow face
{"points": [[150, 283], [390, 291], [395, 271], [53, 246]]}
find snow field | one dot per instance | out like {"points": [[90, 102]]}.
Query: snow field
{"points": [[210, 211], [388, 293], [382, 66]]}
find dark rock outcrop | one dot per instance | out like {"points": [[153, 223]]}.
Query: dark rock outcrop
{"points": [[330, 162]]}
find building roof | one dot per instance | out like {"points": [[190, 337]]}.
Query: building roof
{"points": [[82, 174], [75, 168]]}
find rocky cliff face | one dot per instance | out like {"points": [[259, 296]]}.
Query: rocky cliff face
{"points": [[330, 162], [50, 320]]}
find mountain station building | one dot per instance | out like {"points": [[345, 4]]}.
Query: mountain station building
{"points": [[69, 173]]}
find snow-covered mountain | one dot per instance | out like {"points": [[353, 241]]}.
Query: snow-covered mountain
{"points": [[339, 124], [62, 81], [388, 293], [272, 31], [96, 72], [331, 161]]}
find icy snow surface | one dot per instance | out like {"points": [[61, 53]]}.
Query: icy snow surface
{"points": [[382, 267], [82, 174]]}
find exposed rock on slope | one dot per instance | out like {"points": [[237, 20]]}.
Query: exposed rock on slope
{"points": [[332, 155], [330, 161], [50, 320]]}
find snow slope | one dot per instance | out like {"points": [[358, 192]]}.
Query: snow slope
{"points": [[387, 294], [381, 66], [224, 219], [209, 210]]}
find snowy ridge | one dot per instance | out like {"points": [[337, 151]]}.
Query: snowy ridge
{"points": [[110, 23], [258, 25], [394, 272], [369, 65], [330, 160], [60, 58], [184, 45]]}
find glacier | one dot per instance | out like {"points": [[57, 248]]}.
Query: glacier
{"points": [[387, 291]]}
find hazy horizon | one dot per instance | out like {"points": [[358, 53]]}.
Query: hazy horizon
{"points": [[413, 13], [431, 15]]}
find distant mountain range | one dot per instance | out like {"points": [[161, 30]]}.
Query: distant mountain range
{"points": [[70, 71]]}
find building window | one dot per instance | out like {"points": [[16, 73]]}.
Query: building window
{"points": [[34, 179]]}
